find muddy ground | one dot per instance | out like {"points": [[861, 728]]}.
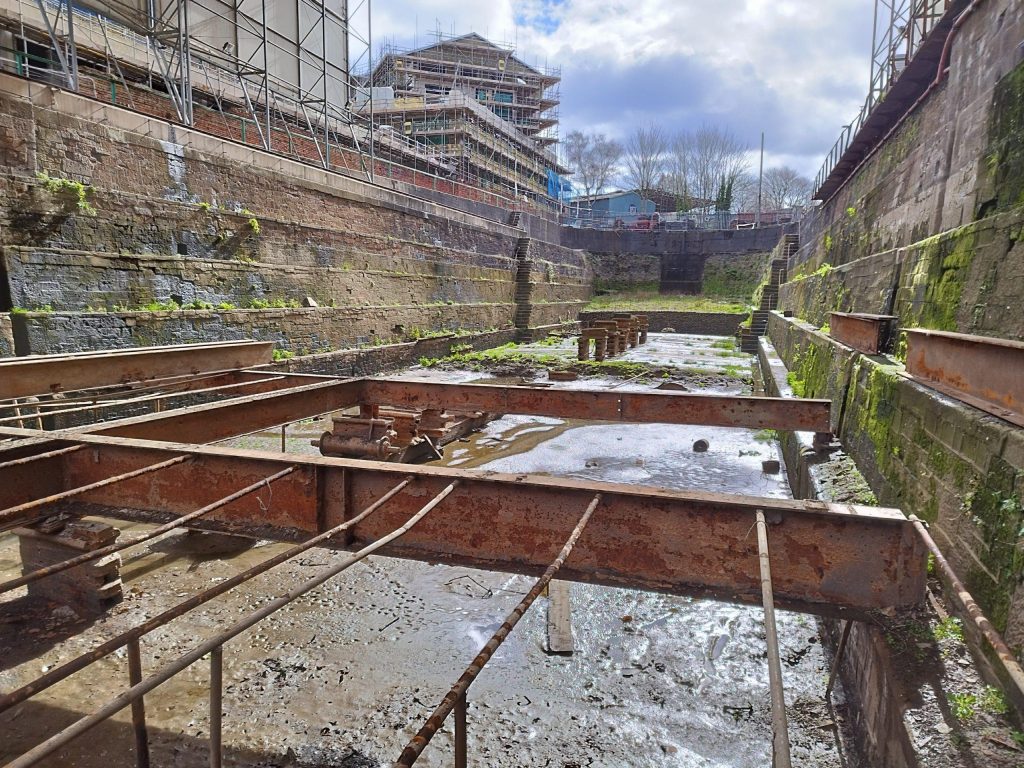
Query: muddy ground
{"points": [[345, 675]]}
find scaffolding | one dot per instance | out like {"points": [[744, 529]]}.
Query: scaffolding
{"points": [[256, 73], [475, 105]]}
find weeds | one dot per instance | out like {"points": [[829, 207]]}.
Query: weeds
{"points": [[653, 301], [963, 705], [950, 628], [76, 189], [273, 304]]}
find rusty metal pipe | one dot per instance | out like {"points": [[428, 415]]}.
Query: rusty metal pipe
{"points": [[138, 707], [966, 601], [458, 691], [780, 728], [12, 513], [461, 737], [47, 455], [947, 47], [840, 650], [79, 663], [118, 703], [216, 706], [87, 557]]}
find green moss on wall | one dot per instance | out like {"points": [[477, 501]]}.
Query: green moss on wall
{"points": [[1004, 159], [997, 510], [937, 277], [734, 277]]}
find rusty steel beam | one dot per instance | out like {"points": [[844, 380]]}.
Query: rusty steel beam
{"points": [[982, 371], [602, 405], [458, 691], [46, 374], [96, 554], [827, 558], [236, 416], [232, 382], [55, 674], [870, 334]]}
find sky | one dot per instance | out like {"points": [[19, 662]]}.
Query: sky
{"points": [[796, 69]]}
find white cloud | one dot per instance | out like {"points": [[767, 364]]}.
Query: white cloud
{"points": [[797, 69]]}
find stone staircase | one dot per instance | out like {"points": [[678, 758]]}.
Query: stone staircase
{"points": [[786, 248], [515, 218]]}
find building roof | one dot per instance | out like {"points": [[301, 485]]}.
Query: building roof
{"points": [[475, 40]]}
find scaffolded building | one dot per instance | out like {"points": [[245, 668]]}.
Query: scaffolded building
{"points": [[475, 108]]}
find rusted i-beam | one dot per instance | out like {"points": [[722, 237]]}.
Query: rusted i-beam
{"points": [[134, 693], [780, 728], [458, 691], [802, 415], [35, 375], [13, 513], [95, 554], [37, 456], [69, 668]]}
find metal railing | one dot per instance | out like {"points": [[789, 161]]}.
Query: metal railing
{"points": [[676, 222], [900, 29]]}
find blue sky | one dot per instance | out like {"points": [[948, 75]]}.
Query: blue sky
{"points": [[797, 69]]}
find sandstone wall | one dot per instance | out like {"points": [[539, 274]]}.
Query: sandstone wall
{"points": [[167, 214], [6, 336]]}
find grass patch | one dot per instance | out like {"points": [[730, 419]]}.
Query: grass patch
{"points": [[950, 628], [649, 301]]}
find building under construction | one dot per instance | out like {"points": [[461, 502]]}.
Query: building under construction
{"points": [[475, 107]]}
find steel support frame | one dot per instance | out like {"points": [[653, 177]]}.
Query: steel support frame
{"points": [[830, 559], [22, 376]]}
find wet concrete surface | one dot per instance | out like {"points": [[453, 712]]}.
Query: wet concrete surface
{"points": [[345, 675]]}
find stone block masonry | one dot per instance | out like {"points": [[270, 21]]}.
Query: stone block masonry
{"points": [[75, 280], [174, 215], [721, 263], [6, 336], [952, 465], [298, 331]]}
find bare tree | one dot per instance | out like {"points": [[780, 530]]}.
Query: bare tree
{"points": [[677, 169], [716, 161], [785, 188], [593, 159], [646, 151]]}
